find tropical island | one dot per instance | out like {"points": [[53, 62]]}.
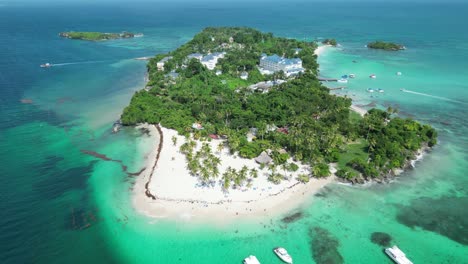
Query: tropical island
{"points": [[98, 36], [242, 113], [331, 42], [385, 46]]}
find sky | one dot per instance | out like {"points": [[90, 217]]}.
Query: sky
{"points": [[206, 1]]}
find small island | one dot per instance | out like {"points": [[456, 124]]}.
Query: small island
{"points": [[331, 42], [98, 36], [385, 46], [242, 119]]}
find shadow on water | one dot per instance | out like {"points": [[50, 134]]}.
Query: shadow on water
{"points": [[324, 246], [291, 218], [381, 239], [57, 182], [447, 216]]}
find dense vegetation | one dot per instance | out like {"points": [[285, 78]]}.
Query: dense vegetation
{"points": [[96, 36], [331, 42], [385, 46], [299, 115]]}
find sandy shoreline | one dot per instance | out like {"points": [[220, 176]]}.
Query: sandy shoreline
{"points": [[179, 198], [321, 49], [166, 190]]}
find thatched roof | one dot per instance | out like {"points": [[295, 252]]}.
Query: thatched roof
{"points": [[263, 158]]}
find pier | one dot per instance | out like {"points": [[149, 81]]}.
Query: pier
{"points": [[327, 79], [337, 88]]}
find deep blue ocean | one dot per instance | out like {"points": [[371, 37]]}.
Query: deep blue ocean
{"points": [[61, 204]]}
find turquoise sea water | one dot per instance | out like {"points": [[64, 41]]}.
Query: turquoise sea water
{"points": [[60, 204]]}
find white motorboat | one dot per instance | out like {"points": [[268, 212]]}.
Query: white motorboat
{"points": [[46, 65], [251, 260], [352, 75], [380, 90], [397, 255], [342, 80], [283, 255], [370, 90], [398, 73], [372, 76]]}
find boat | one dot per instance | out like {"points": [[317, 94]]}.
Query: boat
{"points": [[344, 76], [342, 80], [46, 65], [397, 255], [380, 90], [370, 90], [352, 75], [251, 260], [398, 73], [283, 255], [372, 76]]}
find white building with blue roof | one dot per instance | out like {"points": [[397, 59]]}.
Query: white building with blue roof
{"points": [[275, 63], [211, 60]]}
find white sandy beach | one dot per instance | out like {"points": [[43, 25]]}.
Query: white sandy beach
{"points": [[321, 49], [181, 197]]}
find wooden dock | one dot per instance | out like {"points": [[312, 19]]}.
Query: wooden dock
{"points": [[327, 79], [337, 88]]}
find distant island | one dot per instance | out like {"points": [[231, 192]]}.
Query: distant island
{"points": [[98, 36], [331, 42], [238, 109], [385, 46]]}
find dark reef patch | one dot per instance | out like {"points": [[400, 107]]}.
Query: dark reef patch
{"points": [[447, 216], [292, 217], [56, 182], [381, 239], [324, 246]]}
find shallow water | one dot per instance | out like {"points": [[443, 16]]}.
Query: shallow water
{"points": [[60, 204]]}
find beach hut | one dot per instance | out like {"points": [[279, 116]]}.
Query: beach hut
{"points": [[213, 136], [263, 158]]}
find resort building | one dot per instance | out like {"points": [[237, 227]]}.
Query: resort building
{"points": [[275, 63], [210, 60], [244, 75], [161, 63], [197, 56]]}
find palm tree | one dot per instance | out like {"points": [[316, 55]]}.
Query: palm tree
{"points": [[204, 174], [185, 148], [206, 149], [253, 173], [226, 180], [220, 147], [215, 161]]}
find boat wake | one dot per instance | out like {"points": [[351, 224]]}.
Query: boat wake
{"points": [[74, 63], [433, 96]]}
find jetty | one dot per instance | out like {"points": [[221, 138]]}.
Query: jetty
{"points": [[143, 58], [327, 79], [336, 88]]}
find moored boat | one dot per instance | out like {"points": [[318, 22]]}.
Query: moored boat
{"points": [[46, 65], [398, 73], [380, 90], [370, 90], [283, 255], [352, 75], [372, 76], [397, 255], [251, 260], [342, 80]]}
